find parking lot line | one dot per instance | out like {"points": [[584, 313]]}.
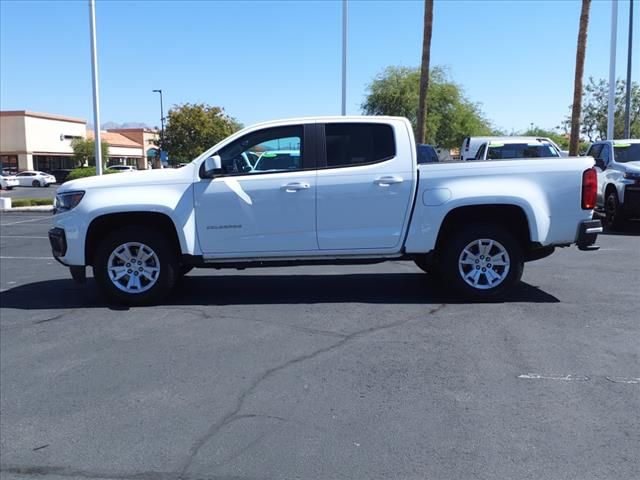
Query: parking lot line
{"points": [[24, 221], [19, 236], [25, 258]]}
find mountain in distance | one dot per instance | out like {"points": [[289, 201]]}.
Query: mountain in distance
{"points": [[114, 125], [111, 125]]}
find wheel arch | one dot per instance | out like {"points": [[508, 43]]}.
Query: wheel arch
{"points": [[513, 217], [103, 224], [610, 188]]}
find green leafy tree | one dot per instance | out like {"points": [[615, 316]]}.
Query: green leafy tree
{"points": [[84, 151], [595, 100], [561, 140], [193, 128], [450, 117]]}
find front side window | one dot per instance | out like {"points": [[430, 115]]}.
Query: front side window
{"points": [[351, 144], [272, 150]]}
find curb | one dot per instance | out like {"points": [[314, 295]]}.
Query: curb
{"points": [[39, 208]]}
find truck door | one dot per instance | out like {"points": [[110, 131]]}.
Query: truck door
{"points": [[264, 200], [365, 185]]}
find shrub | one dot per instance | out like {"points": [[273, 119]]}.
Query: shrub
{"points": [[31, 202], [83, 172]]}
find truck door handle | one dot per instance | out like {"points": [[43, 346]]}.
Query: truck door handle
{"points": [[388, 180], [294, 187]]}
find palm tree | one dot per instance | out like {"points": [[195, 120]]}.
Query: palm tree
{"points": [[577, 86], [424, 69]]}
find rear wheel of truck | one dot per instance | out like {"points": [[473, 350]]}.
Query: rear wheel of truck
{"points": [[135, 266], [482, 262]]}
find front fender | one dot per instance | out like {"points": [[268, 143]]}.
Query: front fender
{"points": [[174, 201]]}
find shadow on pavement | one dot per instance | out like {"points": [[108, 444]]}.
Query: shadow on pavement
{"points": [[632, 229], [402, 288]]}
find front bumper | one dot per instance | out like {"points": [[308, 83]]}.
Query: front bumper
{"points": [[587, 235], [631, 205]]}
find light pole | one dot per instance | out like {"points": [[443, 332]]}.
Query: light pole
{"points": [[344, 57], [627, 103], [612, 71], [96, 100], [161, 125]]}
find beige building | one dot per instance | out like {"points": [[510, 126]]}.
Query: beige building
{"points": [[145, 137], [122, 150], [42, 141], [38, 141]]}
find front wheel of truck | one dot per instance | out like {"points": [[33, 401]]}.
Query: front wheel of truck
{"points": [[135, 266], [482, 262]]}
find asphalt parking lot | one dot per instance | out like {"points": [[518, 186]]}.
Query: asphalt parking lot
{"points": [[30, 192], [364, 372]]}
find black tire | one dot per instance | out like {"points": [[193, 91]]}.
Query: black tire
{"points": [[613, 216], [167, 260], [35, 183], [184, 269], [422, 264], [456, 243]]}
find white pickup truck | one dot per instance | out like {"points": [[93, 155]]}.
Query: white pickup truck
{"points": [[331, 190]]}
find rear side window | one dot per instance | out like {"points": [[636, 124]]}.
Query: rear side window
{"points": [[594, 151], [350, 144]]}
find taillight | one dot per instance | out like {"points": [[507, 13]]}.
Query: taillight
{"points": [[589, 189]]}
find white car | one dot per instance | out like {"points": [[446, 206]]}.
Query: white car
{"points": [[122, 168], [35, 179], [347, 190], [7, 182], [618, 167]]}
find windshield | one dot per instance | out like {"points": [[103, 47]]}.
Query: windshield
{"points": [[627, 152], [500, 151]]}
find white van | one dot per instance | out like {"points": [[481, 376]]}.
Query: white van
{"points": [[476, 148]]}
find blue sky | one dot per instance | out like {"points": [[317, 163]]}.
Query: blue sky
{"points": [[264, 60]]}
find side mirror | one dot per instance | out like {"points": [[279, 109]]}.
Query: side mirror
{"points": [[212, 165], [600, 164]]}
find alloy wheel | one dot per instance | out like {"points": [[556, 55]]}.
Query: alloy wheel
{"points": [[484, 263], [133, 267]]}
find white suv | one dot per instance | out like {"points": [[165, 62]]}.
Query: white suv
{"points": [[618, 167]]}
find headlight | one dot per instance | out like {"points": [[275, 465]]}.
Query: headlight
{"points": [[66, 201], [632, 175]]}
